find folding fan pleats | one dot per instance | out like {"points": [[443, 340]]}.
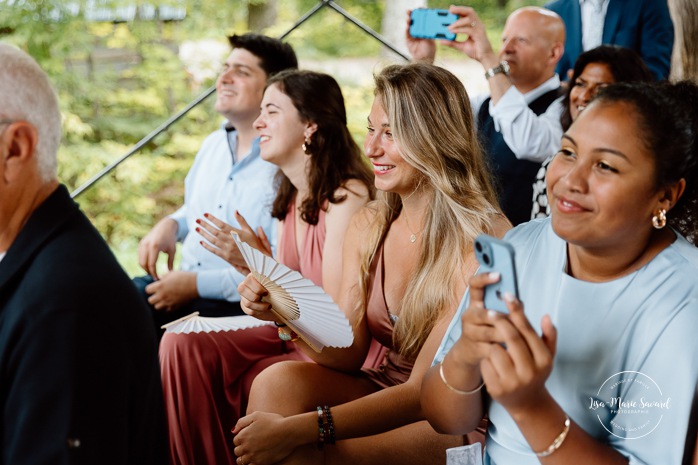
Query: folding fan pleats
{"points": [[298, 302], [193, 323]]}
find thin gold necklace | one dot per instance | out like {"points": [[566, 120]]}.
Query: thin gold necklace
{"points": [[413, 236]]}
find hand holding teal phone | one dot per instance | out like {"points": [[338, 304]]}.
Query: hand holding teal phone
{"points": [[496, 255]]}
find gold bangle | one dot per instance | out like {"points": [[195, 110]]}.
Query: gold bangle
{"points": [[457, 391], [557, 442]]}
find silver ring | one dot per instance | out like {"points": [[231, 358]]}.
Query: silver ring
{"points": [[240, 461], [473, 24]]}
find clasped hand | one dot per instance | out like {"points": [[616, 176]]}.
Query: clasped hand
{"points": [[263, 438], [514, 360]]}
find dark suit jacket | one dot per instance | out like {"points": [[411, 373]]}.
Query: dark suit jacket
{"points": [[79, 376], [642, 25]]}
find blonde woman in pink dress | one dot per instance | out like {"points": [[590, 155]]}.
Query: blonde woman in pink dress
{"points": [[407, 258]]}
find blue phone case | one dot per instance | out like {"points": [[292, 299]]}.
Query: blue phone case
{"points": [[427, 23], [497, 255]]}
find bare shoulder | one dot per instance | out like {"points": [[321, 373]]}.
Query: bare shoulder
{"points": [[356, 239], [364, 217], [355, 195], [353, 188]]}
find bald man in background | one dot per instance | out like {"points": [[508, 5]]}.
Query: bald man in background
{"points": [[519, 119]]}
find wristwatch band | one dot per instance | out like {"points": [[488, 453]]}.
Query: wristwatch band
{"points": [[503, 68]]}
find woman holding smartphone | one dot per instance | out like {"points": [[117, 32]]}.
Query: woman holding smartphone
{"points": [[599, 367], [406, 260]]}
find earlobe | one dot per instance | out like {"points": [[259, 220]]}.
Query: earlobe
{"points": [[310, 129], [673, 193], [558, 49], [18, 142]]}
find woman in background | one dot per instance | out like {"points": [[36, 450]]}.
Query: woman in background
{"points": [[593, 70]]}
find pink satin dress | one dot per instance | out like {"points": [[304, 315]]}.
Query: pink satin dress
{"points": [[207, 377]]}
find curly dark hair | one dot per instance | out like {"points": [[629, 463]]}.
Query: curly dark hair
{"points": [[335, 157]]}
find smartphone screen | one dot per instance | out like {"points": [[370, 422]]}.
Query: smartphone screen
{"points": [[496, 255], [426, 23]]}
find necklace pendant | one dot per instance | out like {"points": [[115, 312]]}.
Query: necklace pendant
{"points": [[413, 238]]}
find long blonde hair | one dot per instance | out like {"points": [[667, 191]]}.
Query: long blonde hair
{"points": [[431, 120]]}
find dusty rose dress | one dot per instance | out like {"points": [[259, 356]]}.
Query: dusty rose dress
{"points": [[207, 376], [392, 369]]}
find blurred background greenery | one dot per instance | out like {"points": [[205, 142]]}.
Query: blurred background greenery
{"points": [[122, 67]]}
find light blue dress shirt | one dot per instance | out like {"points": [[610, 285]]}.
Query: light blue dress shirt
{"points": [[634, 337], [217, 185]]}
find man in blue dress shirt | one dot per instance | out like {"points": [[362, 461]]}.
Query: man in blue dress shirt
{"points": [[227, 176]]}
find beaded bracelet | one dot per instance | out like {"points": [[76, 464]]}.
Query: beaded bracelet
{"points": [[330, 425], [321, 428], [457, 391], [557, 442], [325, 427]]}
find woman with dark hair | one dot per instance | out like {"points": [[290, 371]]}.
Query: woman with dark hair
{"points": [[593, 70], [612, 279], [322, 181]]}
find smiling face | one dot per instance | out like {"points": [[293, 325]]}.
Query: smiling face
{"points": [[393, 173], [281, 130], [595, 76], [240, 86], [601, 184]]}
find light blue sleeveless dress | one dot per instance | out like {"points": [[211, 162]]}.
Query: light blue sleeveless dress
{"points": [[632, 340]]}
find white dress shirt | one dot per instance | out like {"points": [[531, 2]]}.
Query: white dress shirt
{"points": [[593, 18], [531, 137]]}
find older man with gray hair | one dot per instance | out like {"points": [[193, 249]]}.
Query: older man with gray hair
{"points": [[79, 377]]}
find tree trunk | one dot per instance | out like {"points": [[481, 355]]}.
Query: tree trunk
{"points": [[261, 15], [394, 22]]}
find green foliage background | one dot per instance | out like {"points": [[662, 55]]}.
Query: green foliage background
{"points": [[111, 104]]}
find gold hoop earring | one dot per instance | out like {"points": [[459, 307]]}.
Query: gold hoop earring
{"points": [[306, 146], [659, 219]]}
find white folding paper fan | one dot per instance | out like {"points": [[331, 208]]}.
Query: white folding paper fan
{"points": [[194, 323], [298, 302]]}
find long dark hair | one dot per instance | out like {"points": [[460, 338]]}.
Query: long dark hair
{"points": [[335, 157], [625, 66], [667, 118]]}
